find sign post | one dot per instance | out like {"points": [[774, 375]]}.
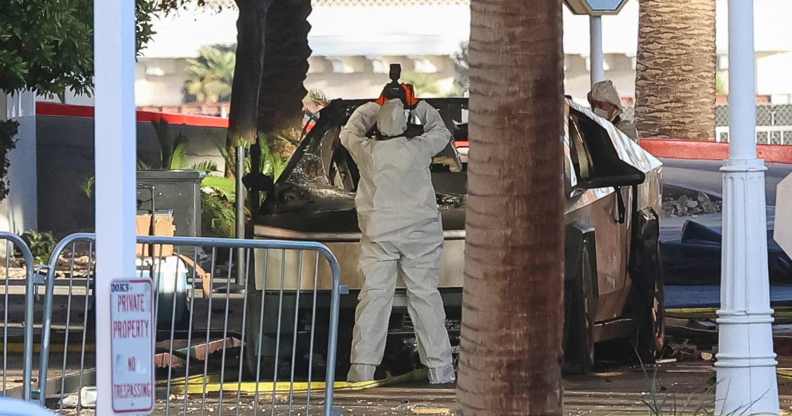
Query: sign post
{"points": [[132, 328], [595, 9], [596, 54], [115, 154]]}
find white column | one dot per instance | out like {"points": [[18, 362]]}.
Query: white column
{"points": [[746, 364], [596, 55], [21, 204], [114, 64]]}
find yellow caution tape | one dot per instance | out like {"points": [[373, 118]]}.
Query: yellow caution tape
{"points": [[691, 313], [780, 313], [785, 373], [19, 348], [211, 384]]}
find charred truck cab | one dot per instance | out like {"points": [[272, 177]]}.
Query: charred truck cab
{"points": [[613, 288]]}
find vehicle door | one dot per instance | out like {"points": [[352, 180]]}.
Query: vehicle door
{"points": [[599, 196]]}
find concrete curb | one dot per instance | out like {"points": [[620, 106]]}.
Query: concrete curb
{"points": [[709, 150]]}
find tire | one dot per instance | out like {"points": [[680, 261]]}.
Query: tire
{"points": [[580, 301], [261, 335], [648, 289]]}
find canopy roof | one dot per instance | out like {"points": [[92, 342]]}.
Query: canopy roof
{"points": [[431, 27]]}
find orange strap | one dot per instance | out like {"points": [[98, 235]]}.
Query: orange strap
{"points": [[409, 96]]}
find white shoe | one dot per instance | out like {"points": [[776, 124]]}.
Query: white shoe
{"points": [[361, 372], [442, 375]]}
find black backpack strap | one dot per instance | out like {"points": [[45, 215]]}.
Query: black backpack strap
{"points": [[620, 206]]}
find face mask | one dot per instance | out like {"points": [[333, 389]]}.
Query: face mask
{"points": [[603, 113]]}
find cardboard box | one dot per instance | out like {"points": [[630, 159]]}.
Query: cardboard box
{"points": [[163, 227]]}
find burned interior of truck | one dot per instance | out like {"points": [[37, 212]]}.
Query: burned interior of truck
{"points": [[316, 190]]}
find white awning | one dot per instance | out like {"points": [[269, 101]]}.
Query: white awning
{"points": [[437, 30]]}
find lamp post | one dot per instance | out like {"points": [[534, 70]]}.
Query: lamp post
{"points": [[746, 364]]}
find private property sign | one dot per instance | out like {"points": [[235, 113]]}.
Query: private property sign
{"points": [[132, 326]]}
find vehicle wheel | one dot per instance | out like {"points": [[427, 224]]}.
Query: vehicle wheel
{"points": [[650, 336], [648, 289], [580, 300], [264, 333]]}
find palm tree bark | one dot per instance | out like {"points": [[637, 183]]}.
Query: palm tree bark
{"points": [[675, 76], [243, 117], [512, 317], [285, 66]]}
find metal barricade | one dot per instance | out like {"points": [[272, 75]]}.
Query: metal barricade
{"points": [[10, 291], [255, 338]]}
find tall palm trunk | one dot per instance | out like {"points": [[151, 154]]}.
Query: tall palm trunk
{"points": [[285, 65], [512, 314], [271, 65], [675, 79], [243, 117]]}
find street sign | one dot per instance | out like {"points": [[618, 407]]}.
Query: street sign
{"points": [[783, 215], [132, 343], [595, 7]]}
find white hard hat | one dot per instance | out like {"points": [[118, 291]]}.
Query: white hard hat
{"points": [[391, 120]]}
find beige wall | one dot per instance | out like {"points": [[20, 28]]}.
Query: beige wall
{"points": [[160, 81]]}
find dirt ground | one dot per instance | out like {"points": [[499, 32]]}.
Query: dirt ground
{"points": [[682, 384], [682, 389]]}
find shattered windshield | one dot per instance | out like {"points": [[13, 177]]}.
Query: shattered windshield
{"points": [[321, 167]]}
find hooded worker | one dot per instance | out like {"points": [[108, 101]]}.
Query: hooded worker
{"points": [[605, 102], [402, 234]]}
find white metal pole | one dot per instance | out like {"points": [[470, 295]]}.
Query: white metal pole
{"points": [[746, 364], [596, 55], [115, 153]]}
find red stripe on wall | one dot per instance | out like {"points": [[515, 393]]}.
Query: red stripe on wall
{"points": [[68, 110], [688, 149]]}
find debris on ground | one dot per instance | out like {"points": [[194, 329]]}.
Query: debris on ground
{"points": [[431, 410], [684, 202]]}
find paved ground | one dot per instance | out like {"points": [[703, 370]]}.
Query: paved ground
{"points": [[681, 296], [705, 175]]}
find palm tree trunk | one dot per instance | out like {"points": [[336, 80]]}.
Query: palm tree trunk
{"points": [[285, 66], [512, 314], [243, 117], [675, 76]]}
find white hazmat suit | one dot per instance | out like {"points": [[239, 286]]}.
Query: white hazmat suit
{"points": [[402, 234]]}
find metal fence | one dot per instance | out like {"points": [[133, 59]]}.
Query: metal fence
{"points": [[19, 282], [773, 124], [235, 337]]}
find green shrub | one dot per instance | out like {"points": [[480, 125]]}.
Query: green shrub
{"points": [[41, 245], [218, 215]]}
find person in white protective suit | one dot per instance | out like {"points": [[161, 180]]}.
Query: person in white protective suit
{"points": [[605, 102], [402, 234]]}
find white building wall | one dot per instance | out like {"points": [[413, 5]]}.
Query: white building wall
{"points": [[380, 33], [18, 212]]}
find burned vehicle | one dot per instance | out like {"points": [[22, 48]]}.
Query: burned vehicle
{"points": [[613, 289]]}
